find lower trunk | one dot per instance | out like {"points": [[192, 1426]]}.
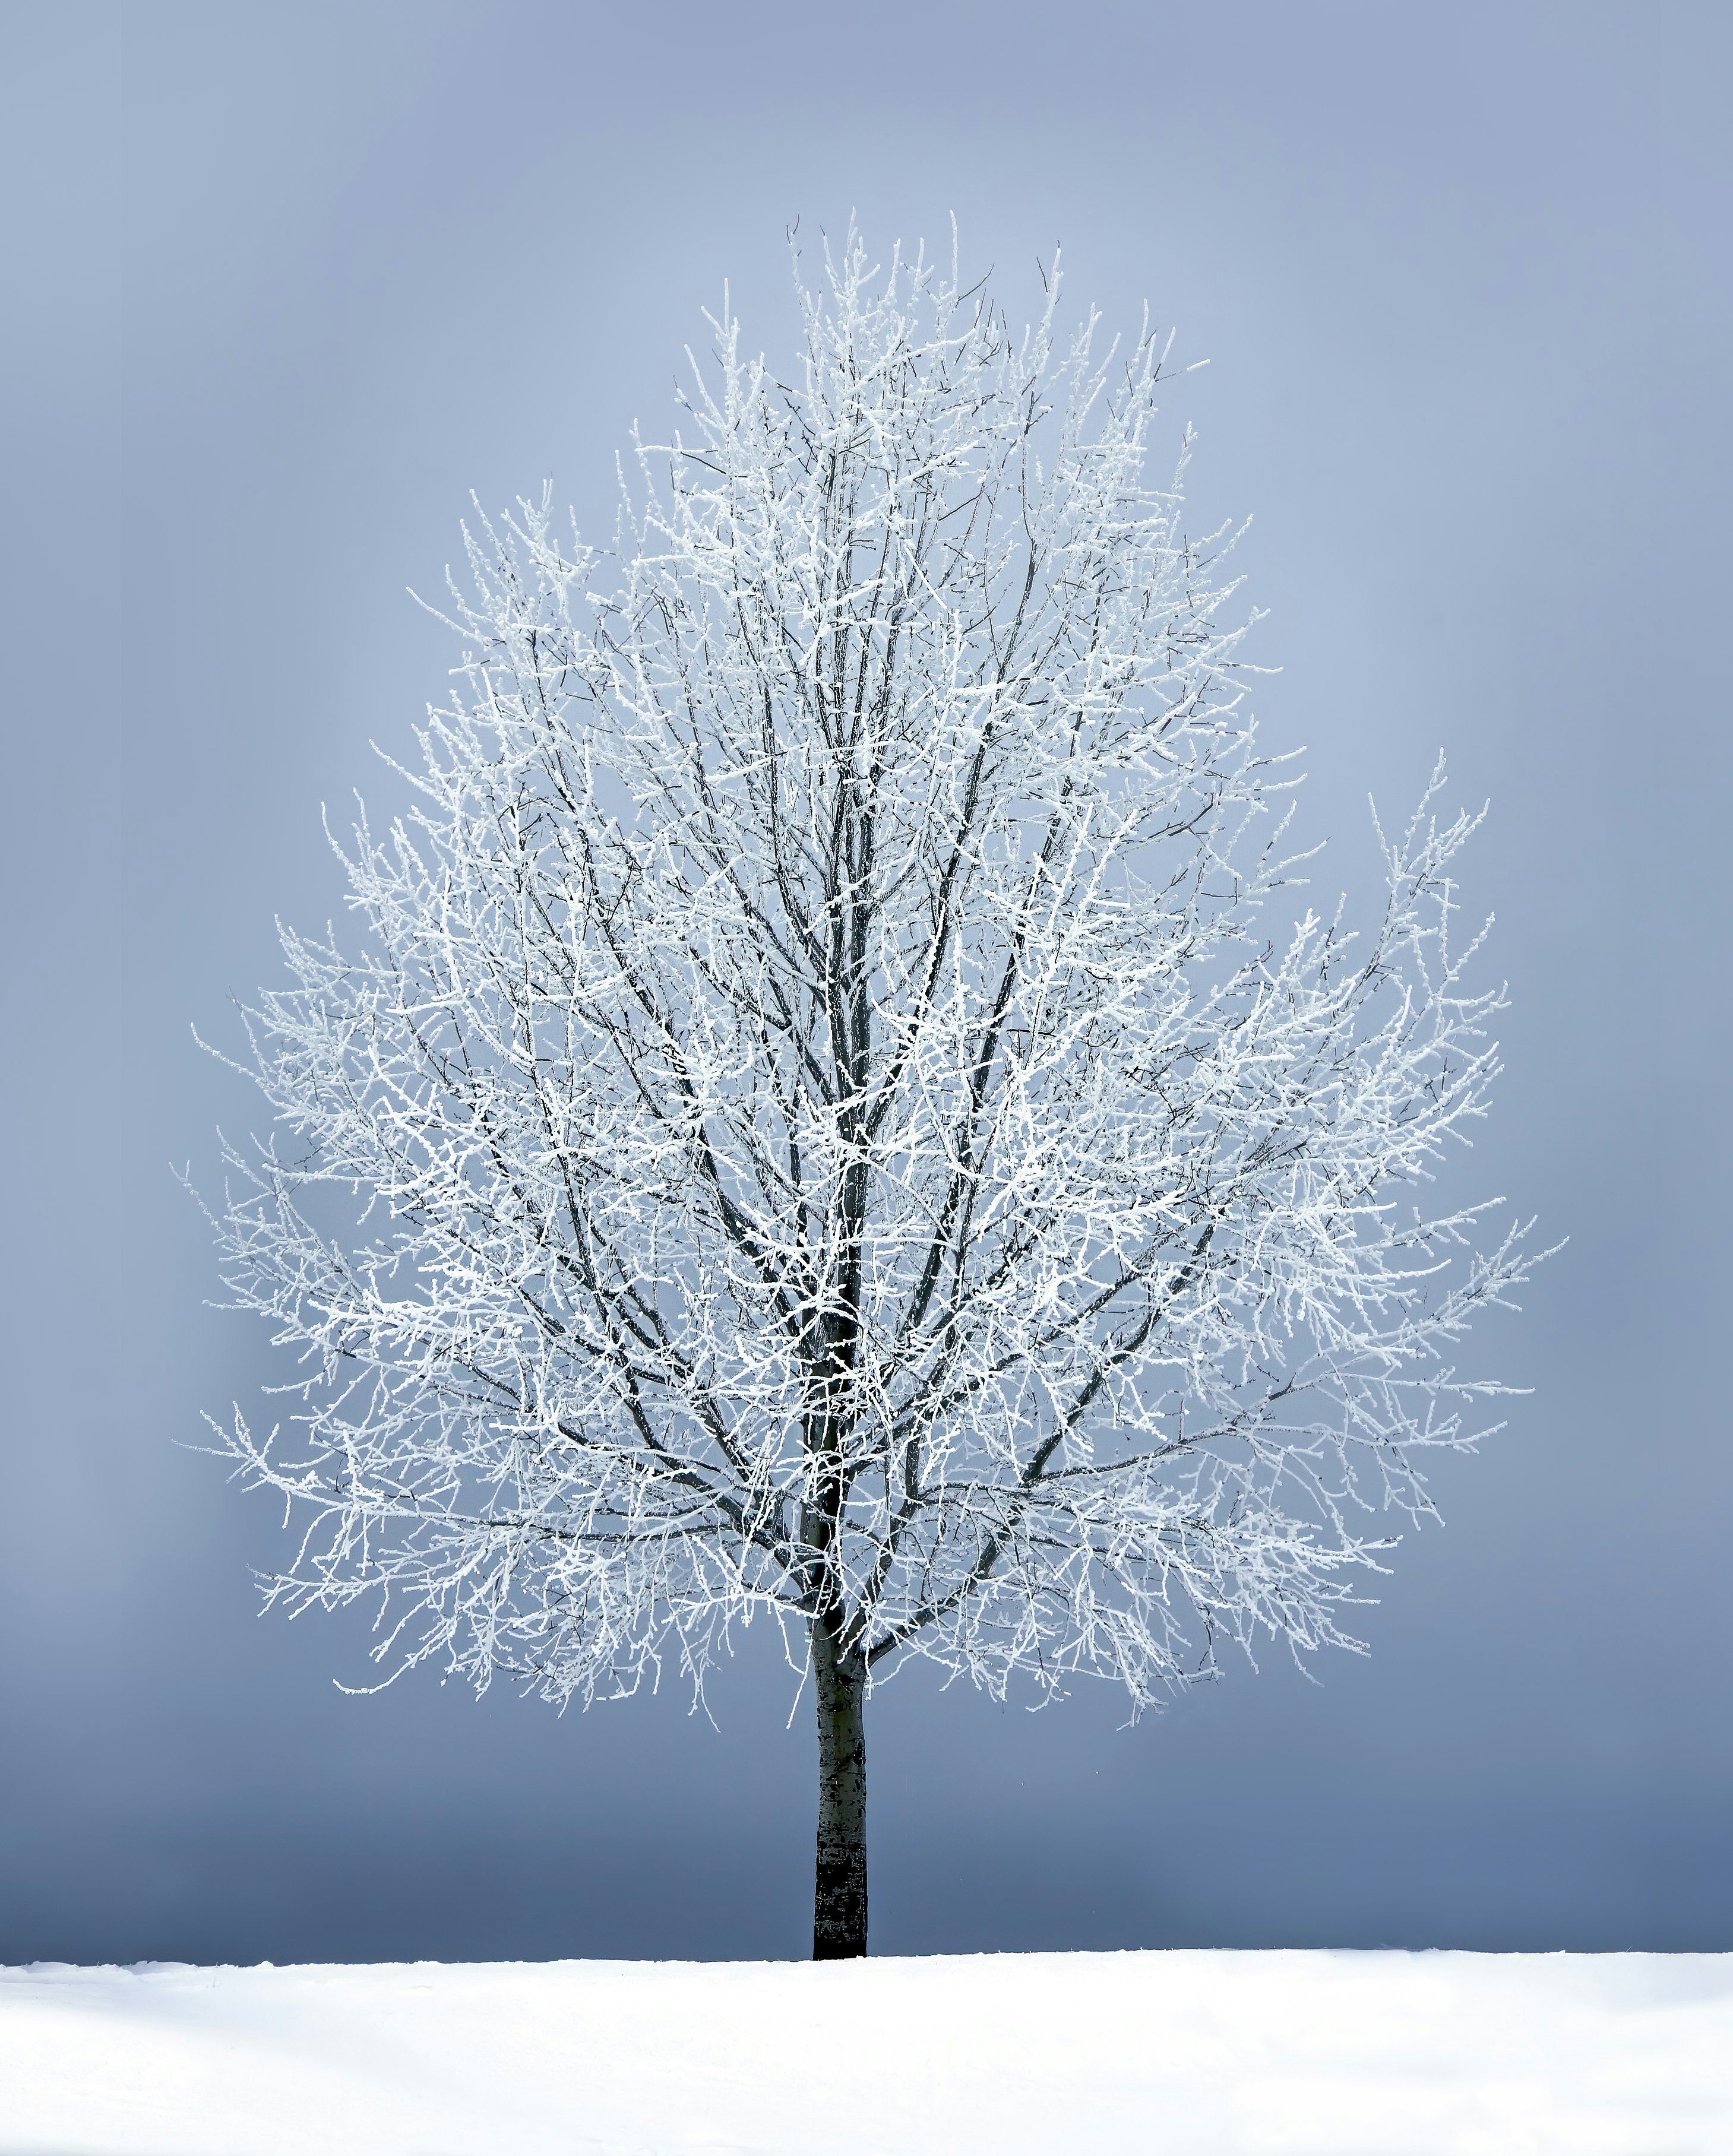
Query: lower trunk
{"points": [[839, 1897]]}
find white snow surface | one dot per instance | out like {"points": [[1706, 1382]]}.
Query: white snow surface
{"points": [[1195, 2053]]}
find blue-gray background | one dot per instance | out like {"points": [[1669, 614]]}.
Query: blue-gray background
{"points": [[282, 284]]}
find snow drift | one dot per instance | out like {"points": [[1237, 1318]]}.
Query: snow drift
{"points": [[1200, 2054]]}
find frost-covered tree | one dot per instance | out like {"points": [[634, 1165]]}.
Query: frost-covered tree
{"points": [[842, 1134]]}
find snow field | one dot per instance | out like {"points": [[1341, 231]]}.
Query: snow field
{"points": [[1162, 2054]]}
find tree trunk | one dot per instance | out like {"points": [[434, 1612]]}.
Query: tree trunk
{"points": [[839, 1896]]}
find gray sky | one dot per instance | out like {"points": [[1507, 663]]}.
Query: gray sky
{"points": [[283, 283]]}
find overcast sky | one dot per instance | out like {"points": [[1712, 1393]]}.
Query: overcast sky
{"points": [[283, 283]]}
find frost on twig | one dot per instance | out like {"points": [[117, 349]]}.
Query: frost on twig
{"points": [[839, 1124]]}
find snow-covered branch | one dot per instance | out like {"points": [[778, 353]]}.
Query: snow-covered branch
{"points": [[842, 1129]]}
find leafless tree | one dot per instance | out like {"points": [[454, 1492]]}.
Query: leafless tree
{"points": [[841, 1134]]}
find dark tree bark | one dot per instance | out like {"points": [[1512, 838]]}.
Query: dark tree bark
{"points": [[839, 1898]]}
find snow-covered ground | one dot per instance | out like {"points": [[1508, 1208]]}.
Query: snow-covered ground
{"points": [[1194, 2054]]}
